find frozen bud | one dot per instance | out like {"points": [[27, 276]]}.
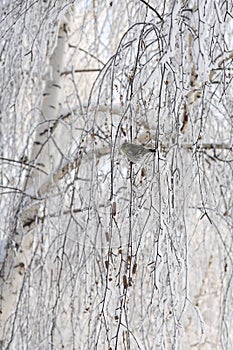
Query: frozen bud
{"points": [[146, 137], [135, 153]]}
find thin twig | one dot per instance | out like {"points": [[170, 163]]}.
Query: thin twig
{"points": [[151, 8]]}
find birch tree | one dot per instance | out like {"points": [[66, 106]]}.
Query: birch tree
{"points": [[98, 252]]}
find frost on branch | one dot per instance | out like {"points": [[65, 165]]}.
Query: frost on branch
{"points": [[99, 252]]}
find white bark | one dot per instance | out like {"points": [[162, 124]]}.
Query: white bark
{"points": [[51, 135]]}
